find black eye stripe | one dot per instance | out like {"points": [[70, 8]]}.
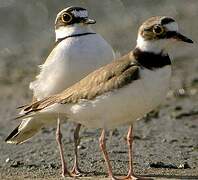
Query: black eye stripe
{"points": [[167, 35], [73, 20], [170, 34]]}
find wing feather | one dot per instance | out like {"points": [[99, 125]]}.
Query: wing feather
{"points": [[107, 78]]}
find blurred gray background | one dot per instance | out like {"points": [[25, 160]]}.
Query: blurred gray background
{"points": [[27, 36], [27, 28]]}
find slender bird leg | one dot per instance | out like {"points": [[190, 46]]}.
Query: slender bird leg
{"points": [[102, 142], [131, 174], [75, 170], [60, 145]]}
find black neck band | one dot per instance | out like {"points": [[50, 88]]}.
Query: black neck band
{"points": [[151, 60], [74, 35]]}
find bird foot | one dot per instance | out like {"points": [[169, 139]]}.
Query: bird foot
{"points": [[76, 172], [65, 173], [133, 177]]}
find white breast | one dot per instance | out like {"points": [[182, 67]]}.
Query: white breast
{"points": [[122, 106], [70, 61]]}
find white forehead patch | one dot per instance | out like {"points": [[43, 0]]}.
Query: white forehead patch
{"points": [[173, 26], [82, 14]]}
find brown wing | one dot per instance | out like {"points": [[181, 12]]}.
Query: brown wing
{"points": [[112, 76]]}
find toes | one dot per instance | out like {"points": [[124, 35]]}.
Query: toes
{"points": [[133, 177], [76, 172]]}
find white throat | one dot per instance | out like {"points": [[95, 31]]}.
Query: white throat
{"points": [[64, 31], [154, 46]]}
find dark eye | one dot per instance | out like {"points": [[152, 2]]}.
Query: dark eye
{"points": [[66, 17], [157, 29]]}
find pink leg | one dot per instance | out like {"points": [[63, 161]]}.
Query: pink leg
{"points": [[130, 142], [131, 174], [60, 145], [102, 142], [75, 170]]}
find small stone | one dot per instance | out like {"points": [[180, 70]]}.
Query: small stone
{"points": [[184, 165], [173, 141], [162, 165], [156, 165], [7, 160], [52, 165], [81, 147], [16, 164], [181, 92], [178, 108]]}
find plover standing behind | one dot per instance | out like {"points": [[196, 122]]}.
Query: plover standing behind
{"points": [[78, 51]]}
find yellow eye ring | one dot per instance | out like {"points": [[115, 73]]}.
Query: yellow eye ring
{"points": [[158, 30], [66, 17]]}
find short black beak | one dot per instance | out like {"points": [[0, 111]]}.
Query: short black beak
{"points": [[89, 21], [181, 37]]}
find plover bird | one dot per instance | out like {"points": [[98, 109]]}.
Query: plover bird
{"points": [[78, 51], [121, 92]]}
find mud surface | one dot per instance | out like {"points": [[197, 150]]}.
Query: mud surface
{"points": [[165, 141], [165, 144]]}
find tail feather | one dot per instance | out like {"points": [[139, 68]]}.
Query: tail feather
{"points": [[13, 134], [28, 128]]}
